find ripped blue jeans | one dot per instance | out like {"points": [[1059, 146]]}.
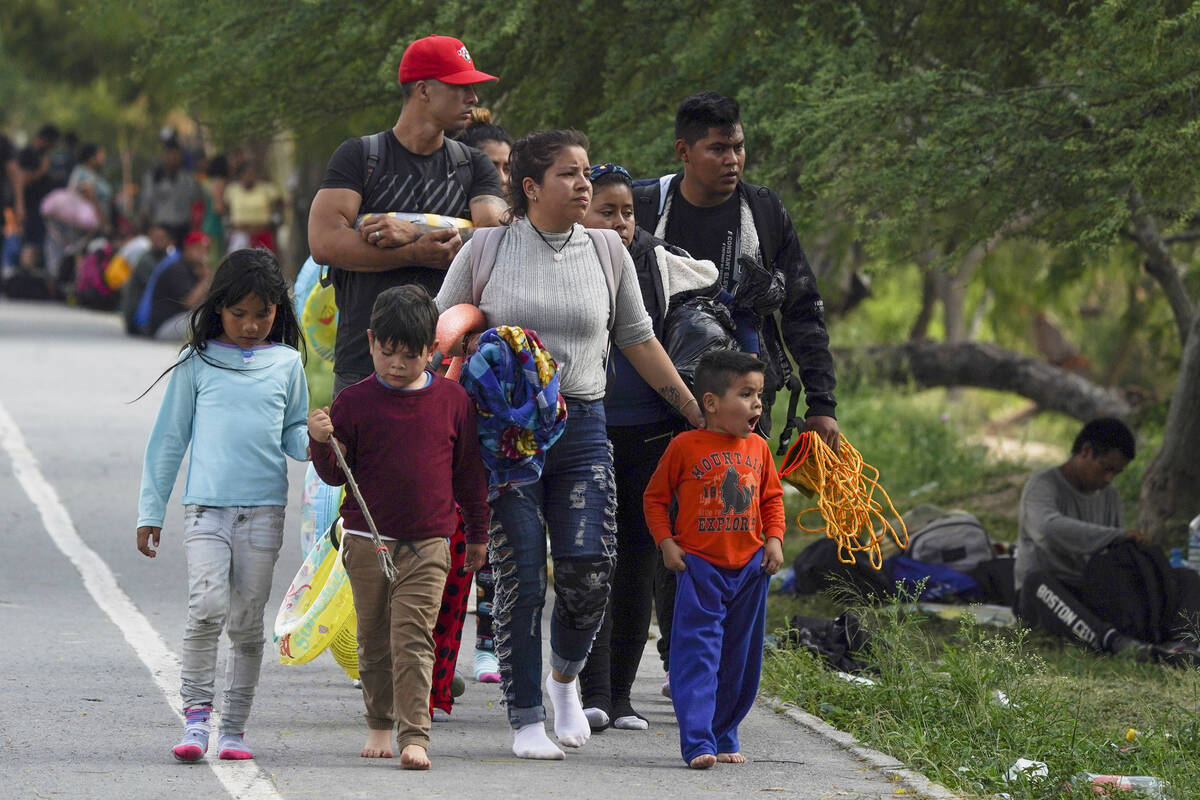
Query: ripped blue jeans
{"points": [[575, 502]]}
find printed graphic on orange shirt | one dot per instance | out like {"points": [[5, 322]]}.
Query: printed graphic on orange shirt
{"points": [[730, 484]]}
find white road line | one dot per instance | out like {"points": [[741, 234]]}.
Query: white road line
{"points": [[242, 779]]}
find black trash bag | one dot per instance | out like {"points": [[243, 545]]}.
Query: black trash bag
{"points": [[759, 289], [693, 327], [840, 642]]}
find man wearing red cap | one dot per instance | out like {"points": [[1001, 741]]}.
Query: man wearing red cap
{"points": [[412, 167]]}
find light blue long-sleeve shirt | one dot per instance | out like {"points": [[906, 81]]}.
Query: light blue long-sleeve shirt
{"points": [[240, 419]]}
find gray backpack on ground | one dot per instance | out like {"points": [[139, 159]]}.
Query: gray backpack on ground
{"points": [[957, 540]]}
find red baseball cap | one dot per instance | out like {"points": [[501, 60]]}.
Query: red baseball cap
{"points": [[195, 237], [441, 58]]}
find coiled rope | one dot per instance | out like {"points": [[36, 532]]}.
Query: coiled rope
{"points": [[845, 487]]}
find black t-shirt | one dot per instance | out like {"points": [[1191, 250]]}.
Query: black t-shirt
{"points": [[403, 181], [710, 233], [172, 286]]}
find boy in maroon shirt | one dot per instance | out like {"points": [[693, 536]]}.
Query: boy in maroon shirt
{"points": [[409, 438]]}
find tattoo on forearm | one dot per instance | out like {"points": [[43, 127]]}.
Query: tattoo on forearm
{"points": [[670, 394]]}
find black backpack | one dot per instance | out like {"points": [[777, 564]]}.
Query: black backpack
{"points": [[1131, 585], [817, 568]]}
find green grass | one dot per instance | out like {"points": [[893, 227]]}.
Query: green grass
{"points": [[934, 705]]}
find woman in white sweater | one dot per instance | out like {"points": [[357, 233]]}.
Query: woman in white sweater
{"points": [[548, 277]]}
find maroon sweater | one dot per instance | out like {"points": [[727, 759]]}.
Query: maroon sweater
{"points": [[414, 454]]}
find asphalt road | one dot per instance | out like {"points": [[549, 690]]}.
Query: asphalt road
{"points": [[90, 629]]}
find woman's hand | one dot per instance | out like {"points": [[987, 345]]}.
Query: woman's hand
{"points": [[692, 413]]}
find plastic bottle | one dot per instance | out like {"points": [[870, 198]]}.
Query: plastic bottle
{"points": [[1194, 544], [1146, 786]]}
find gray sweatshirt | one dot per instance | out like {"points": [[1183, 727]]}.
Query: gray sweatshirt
{"points": [[1060, 528], [566, 301]]}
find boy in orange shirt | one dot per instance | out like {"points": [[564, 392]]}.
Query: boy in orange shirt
{"points": [[726, 540]]}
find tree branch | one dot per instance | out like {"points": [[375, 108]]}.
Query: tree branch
{"points": [[986, 366], [1159, 263]]}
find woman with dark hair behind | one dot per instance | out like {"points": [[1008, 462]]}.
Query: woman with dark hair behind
{"points": [[483, 134], [548, 276], [640, 426]]}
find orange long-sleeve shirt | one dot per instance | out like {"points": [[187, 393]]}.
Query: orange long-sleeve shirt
{"points": [[728, 494]]}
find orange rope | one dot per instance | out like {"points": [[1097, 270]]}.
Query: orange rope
{"points": [[845, 487]]}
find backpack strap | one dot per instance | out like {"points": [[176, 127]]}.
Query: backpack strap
{"points": [[610, 250], [460, 158], [485, 243], [373, 149], [372, 145]]}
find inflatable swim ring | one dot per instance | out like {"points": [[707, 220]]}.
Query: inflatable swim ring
{"points": [[319, 320], [318, 606], [428, 221], [308, 277], [319, 503]]}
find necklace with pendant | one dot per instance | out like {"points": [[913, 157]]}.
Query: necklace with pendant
{"points": [[558, 256]]}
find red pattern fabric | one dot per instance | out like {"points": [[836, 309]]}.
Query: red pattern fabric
{"points": [[447, 632]]}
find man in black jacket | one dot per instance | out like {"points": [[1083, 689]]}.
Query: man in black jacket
{"points": [[712, 213]]}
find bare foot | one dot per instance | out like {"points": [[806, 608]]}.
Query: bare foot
{"points": [[414, 756], [379, 745], [703, 761], [731, 758]]}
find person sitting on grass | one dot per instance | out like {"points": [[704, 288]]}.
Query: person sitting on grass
{"points": [[726, 540], [1068, 514]]}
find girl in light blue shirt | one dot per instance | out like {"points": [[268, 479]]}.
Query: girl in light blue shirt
{"points": [[237, 396]]}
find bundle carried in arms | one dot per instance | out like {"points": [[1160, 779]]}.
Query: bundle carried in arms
{"points": [[849, 497]]}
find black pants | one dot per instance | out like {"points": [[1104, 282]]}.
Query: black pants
{"points": [[613, 662], [664, 608], [1048, 604]]}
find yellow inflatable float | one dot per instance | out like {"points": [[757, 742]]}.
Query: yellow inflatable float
{"points": [[318, 611]]}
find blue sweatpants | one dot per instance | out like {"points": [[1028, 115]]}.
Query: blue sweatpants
{"points": [[716, 652]]}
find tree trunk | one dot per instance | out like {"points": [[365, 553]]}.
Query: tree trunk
{"points": [[1171, 484], [986, 366], [1159, 263]]}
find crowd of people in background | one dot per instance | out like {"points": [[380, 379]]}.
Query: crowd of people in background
{"points": [[81, 230]]}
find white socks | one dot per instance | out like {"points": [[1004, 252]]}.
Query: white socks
{"points": [[531, 741], [630, 723], [570, 724]]}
